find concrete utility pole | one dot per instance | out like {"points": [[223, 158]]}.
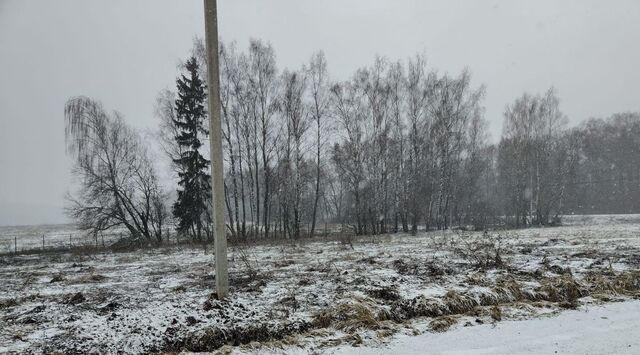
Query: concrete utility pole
{"points": [[215, 141]]}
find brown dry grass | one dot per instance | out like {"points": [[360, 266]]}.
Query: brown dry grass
{"points": [[457, 303], [564, 290], [625, 283], [92, 277], [496, 313], [351, 316], [442, 324]]}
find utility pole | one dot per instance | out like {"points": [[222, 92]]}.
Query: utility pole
{"points": [[215, 142]]}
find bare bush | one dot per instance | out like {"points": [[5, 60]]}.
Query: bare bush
{"points": [[250, 264], [484, 251]]}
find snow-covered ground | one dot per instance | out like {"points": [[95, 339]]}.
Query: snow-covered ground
{"points": [[313, 296], [609, 329], [600, 219], [56, 236], [60, 236]]}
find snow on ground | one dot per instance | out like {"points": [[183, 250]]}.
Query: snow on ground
{"points": [[311, 295], [610, 329], [60, 236], [600, 219], [56, 236]]}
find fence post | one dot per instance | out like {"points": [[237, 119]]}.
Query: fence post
{"points": [[43, 242], [70, 243], [15, 244]]}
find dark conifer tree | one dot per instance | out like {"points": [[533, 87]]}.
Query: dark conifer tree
{"points": [[194, 193]]}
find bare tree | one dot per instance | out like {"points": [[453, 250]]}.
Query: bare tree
{"points": [[397, 149], [293, 163], [533, 131], [319, 105], [374, 86], [452, 103], [475, 162], [418, 157], [262, 81], [230, 113], [118, 182], [165, 112], [348, 156]]}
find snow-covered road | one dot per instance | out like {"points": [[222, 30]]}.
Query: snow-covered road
{"points": [[610, 329]]}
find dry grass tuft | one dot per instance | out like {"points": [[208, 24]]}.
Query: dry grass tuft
{"points": [[225, 350], [74, 299], [384, 314], [628, 281], [442, 324], [348, 317], [57, 278], [179, 288], [284, 263], [92, 277], [457, 303], [599, 284], [477, 312], [371, 260], [352, 317], [384, 293], [507, 288], [423, 268], [478, 278], [29, 280], [563, 289], [401, 266], [9, 302], [625, 283], [385, 333], [270, 345], [420, 306], [213, 338], [290, 301], [496, 313]]}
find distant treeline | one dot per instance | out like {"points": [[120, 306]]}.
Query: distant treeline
{"points": [[397, 147], [606, 178]]}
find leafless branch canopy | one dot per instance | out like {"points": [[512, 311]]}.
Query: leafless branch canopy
{"points": [[119, 187]]}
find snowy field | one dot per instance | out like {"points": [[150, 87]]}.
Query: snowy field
{"points": [[56, 236], [363, 295], [61, 236]]}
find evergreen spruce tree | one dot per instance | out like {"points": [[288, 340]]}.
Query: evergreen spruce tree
{"points": [[194, 192]]}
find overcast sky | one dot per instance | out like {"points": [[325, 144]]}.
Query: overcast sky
{"points": [[123, 52]]}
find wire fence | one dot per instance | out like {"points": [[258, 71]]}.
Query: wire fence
{"points": [[60, 238], [31, 239], [45, 238]]}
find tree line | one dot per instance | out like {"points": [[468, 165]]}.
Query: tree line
{"points": [[398, 146]]}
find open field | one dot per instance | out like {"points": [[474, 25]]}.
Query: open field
{"points": [[56, 236], [67, 236], [313, 296]]}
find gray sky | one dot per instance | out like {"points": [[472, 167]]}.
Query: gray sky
{"points": [[123, 52]]}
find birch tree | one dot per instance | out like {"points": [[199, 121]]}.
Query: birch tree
{"points": [[318, 108], [119, 186]]}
